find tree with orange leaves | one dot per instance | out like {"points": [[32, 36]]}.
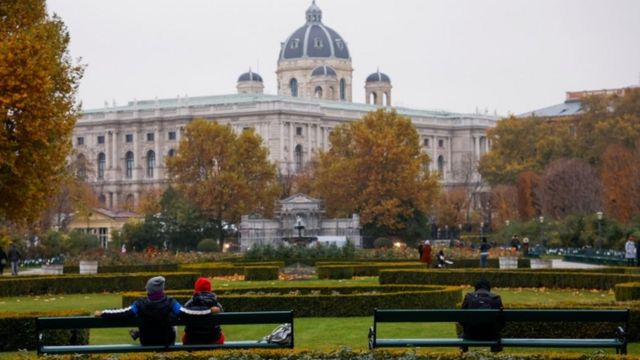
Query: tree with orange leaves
{"points": [[620, 182], [38, 109], [375, 167]]}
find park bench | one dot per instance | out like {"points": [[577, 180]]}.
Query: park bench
{"points": [[90, 322], [617, 340]]}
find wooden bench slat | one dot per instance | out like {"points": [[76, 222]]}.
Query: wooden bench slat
{"points": [[514, 342], [120, 348], [439, 315], [228, 318], [431, 342], [511, 315]]}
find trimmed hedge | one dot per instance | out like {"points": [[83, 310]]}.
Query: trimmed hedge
{"points": [[328, 301], [627, 291], [507, 278], [335, 271], [257, 273], [73, 284], [226, 268], [109, 269], [346, 354], [18, 331]]}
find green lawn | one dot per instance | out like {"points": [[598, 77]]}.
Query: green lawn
{"points": [[311, 333]]}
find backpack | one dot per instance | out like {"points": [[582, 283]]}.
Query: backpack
{"points": [[482, 301], [280, 335]]}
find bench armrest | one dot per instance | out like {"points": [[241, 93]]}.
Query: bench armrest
{"points": [[372, 336]]}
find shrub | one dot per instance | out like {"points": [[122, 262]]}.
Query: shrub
{"points": [[328, 301], [208, 245], [335, 272], [261, 273], [112, 269], [18, 331], [71, 284], [508, 278], [383, 243], [627, 291]]}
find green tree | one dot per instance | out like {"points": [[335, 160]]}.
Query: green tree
{"points": [[375, 168], [225, 175], [38, 109]]}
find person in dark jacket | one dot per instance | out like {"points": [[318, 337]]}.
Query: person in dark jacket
{"points": [[203, 298], [14, 258], [484, 252], [482, 298], [3, 260], [155, 310]]}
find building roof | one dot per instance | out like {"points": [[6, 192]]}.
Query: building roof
{"points": [[567, 108], [240, 99], [378, 76], [250, 76], [314, 40], [323, 70]]}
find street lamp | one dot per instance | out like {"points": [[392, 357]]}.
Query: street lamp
{"points": [[541, 219], [599, 214]]}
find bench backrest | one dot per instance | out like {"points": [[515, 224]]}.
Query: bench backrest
{"points": [[566, 315], [436, 315], [229, 318]]}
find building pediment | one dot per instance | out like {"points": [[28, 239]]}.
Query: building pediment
{"points": [[300, 199]]}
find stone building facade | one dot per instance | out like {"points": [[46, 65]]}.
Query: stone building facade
{"points": [[127, 145]]}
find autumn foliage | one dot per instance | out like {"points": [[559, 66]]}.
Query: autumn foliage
{"points": [[223, 173], [375, 168], [38, 83], [574, 164]]}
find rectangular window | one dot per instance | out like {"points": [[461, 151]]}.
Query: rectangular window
{"points": [[150, 136], [425, 142], [440, 143], [172, 135], [103, 236], [128, 138], [299, 131], [80, 140], [100, 139]]}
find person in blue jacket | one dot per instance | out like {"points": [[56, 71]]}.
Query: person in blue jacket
{"points": [[156, 311]]}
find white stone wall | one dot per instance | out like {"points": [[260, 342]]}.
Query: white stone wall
{"points": [[276, 119]]}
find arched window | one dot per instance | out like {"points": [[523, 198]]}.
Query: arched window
{"points": [[81, 167], [102, 160], [343, 89], [373, 98], [129, 165], [318, 92], [102, 200], [298, 158], [172, 152], [441, 165], [293, 86], [151, 163]]}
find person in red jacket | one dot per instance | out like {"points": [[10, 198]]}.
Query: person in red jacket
{"points": [[426, 253], [203, 298]]}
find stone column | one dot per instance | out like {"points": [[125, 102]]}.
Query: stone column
{"points": [[434, 155], [291, 142], [449, 153], [476, 144], [281, 126]]}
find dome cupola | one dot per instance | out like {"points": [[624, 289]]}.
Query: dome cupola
{"points": [[377, 89], [250, 83]]}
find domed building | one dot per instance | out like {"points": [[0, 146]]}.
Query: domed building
{"points": [[128, 144], [309, 48]]}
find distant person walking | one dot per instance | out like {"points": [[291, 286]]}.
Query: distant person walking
{"points": [[14, 258], [425, 257], [630, 250], [484, 252], [3, 260]]}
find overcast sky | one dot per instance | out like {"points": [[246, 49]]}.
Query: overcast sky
{"points": [[458, 55]]}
